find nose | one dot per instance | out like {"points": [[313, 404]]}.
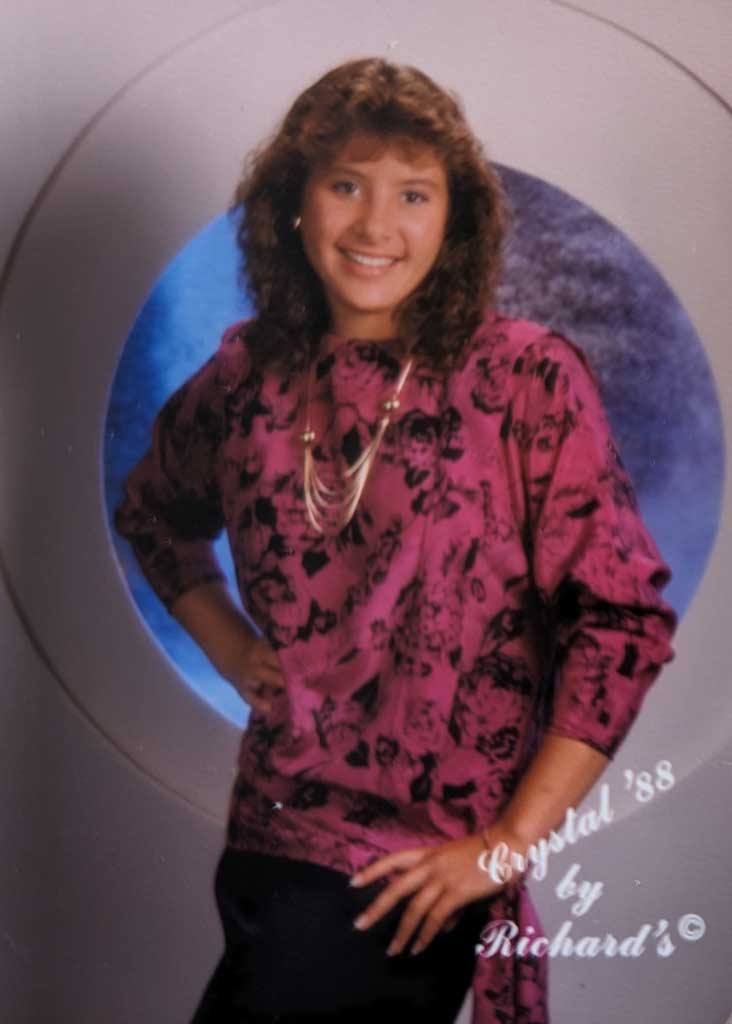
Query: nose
{"points": [[375, 221]]}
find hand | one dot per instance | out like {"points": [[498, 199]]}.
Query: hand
{"points": [[253, 669], [443, 878], [216, 623]]}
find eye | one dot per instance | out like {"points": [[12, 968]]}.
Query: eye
{"points": [[414, 198], [344, 186]]}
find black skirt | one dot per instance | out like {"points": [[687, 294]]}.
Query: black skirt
{"points": [[293, 956]]}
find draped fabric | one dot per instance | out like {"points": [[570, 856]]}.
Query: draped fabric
{"points": [[495, 583]]}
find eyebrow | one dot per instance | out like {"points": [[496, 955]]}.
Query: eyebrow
{"points": [[351, 169]]}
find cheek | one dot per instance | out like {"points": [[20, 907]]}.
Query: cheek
{"points": [[429, 240], [319, 226], [312, 237]]}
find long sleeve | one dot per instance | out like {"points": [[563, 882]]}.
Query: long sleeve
{"points": [[171, 511], [595, 566]]}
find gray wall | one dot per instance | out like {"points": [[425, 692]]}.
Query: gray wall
{"points": [[123, 129]]}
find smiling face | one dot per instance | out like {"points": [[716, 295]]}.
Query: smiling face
{"points": [[373, 222]]}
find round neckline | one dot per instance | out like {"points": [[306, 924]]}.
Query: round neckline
{"points": [[331, 342]]}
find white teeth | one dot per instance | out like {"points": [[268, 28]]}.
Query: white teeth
{"points": [[369, 261]]}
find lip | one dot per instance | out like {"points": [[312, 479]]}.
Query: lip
{"points": [[349, 254]]}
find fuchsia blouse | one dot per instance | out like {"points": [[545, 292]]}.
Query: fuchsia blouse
{"points": [[496, 581]]}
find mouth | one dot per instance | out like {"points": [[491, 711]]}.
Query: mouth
{"points": [[363, 260]]}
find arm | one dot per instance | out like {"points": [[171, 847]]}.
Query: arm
{"points": [[171, 510], [594, 565], [598, 575], [560, 776], [208, 612]]}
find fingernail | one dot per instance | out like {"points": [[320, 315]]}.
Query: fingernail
{"points": [[360, 922], [392, 950], [356, 880], [417, 948]]}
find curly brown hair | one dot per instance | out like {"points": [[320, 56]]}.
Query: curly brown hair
{"points": [[371, 96]]}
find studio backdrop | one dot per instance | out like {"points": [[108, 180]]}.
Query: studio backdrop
{"points": [[611, 127]]}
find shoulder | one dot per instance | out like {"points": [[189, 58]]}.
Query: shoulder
{"points": [[233, 348], [222, 373], [231, 362], [532, 348], [526, 355]]}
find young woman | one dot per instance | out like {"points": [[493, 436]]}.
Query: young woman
{"points": [[432, 528]]}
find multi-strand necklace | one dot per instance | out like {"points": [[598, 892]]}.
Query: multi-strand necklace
{"points": [[322, 501]]}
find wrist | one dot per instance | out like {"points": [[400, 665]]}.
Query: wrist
{"points": [[503, 830], [505, 855], [209, 614], [229, 645], [524, 831]]}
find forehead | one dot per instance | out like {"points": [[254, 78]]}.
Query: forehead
{"points": [[409, 153]]}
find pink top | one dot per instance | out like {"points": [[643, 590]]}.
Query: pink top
{"points": [[497, 531]]}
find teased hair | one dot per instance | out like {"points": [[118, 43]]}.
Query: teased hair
{"points": [[392, 101]]}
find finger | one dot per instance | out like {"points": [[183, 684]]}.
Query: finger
{"points": [[452, 921], [255, 694], [257, 703], [263, 674], [266, 656], [413, 916], [399, 860], [271, 663], [390, 896], [266, 652], [434, 920]]}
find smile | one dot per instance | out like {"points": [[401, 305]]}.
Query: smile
{"points": [[369, 261]]}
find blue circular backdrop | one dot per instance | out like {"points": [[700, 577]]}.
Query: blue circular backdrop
{"points": [[566, 267]]}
